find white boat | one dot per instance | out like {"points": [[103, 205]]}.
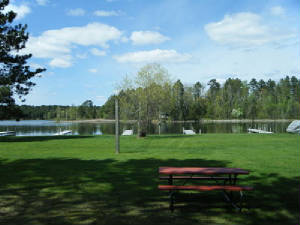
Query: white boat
{"points": [[7, 133], [259, 131], [190, 132], [65, 132], [294, 127], [127, 132]]}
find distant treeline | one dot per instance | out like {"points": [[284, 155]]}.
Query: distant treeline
{"points": [[55, 112], [87, 110], [235, 99]]}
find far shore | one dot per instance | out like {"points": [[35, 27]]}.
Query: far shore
{"points": [[187, 121]]}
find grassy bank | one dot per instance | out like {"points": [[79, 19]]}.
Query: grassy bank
{"points": [[79, 180]]}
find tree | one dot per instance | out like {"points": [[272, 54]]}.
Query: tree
{"points": [[151, 94], [87, 110], [15, 74], [214, 86], [198, 90], [108, 108], [212, 96], [295, 88], [177, 111], [232, 95], [253, 85]]}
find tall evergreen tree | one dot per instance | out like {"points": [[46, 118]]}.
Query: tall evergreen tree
{"points": [[15, 74]]}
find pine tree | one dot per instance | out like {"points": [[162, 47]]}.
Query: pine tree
{"points": [[15, 74]]}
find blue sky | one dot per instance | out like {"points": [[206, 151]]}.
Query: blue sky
{"points": [[88, 46]]}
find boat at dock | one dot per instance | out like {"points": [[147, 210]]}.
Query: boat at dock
{"points": [[7, 133], [65, 132]]}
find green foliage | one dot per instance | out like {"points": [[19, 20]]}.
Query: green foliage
{"points": [[236, 113], [15, 74], [177, 110], [149, 97], [234, 99], [108, 108], [56, 112], [254, 100], [87, 110]]}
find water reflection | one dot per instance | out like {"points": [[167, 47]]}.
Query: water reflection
{"points": [[44, 127]]}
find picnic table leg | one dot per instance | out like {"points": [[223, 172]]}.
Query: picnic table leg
{"points": [[234, 179], [241, 201], [231, 181], [170, 180], [172, 201], [172, 193], [229, 196]]}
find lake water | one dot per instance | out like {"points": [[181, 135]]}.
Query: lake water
{"points": [[46, 127]]}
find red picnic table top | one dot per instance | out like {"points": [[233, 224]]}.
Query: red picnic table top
{"points": [[201, 170]]}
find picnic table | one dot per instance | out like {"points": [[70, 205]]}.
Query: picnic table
{"points": [[225, 179]]}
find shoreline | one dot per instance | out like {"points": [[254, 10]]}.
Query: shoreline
{"points": [[187, 121]]}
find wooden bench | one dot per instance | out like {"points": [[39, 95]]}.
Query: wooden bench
{"points": [[192, 178], [224, 188], [204, 187]]}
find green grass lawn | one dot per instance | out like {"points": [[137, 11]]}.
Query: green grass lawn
{"points": [[79, 180]]}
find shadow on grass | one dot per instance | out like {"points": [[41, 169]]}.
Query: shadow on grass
{"points": [[39, 138], [72, 191]]}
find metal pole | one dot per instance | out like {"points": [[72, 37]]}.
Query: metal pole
{"points": [[117, 125], [159, 128], [139, 121]]}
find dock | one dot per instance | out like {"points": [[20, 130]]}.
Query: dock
{"points": [[127, 132], [189, 132], [7, 133], [259, 131], [65, 132]]}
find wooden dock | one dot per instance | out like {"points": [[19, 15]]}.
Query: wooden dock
{"points": [[189, 132], [259, 131], [7, 133], [65, 132], [127, 132]]}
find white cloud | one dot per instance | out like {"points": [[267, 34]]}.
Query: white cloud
{"points": [[41, 2], [277, 11], [244, 30], [124, 39], [107, 13], [76, 12], [81, 56], [62, 62], [157, 55], [21, 10], [97, 52], [93, 70], [147, 37], [57, 44]]}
